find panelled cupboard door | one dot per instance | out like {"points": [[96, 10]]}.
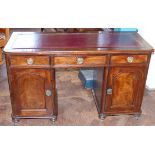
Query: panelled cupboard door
{"points": [[125, 89], [31, 92]]}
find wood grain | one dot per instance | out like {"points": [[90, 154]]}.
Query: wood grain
{"points": [[72, 60], [127, 88], [28, 87], [22, 60], [122, 59], [71, 42]]}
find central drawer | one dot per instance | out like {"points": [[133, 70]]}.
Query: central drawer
{"points": [[63, 61]]}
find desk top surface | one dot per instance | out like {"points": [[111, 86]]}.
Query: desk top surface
{"points": [[56, 42]]}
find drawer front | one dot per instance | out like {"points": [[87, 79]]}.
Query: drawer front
{"points": [[29, 60], [128, 59], [79, 61]]}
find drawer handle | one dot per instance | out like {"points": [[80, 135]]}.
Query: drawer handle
{"points": [[130, 59], [48, 93], [29, 61], [80, 61], [109, 91]]}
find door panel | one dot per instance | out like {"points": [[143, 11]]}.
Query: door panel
{"points": [[123, 91], [127, 84], [29, 88]]}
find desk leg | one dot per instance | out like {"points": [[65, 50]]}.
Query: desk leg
{"points": [[102, 116], [98, 91], [55, 98], [53, 118]]}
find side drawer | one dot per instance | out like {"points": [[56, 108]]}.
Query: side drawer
{"points": [[79, 60], [129, 59], [29, 60]]}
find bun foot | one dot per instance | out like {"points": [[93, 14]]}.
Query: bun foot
{"points": [[137, 116], [102, 116], [53, 118], [15, 120]]}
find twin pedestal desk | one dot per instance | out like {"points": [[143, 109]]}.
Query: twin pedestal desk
{"points": [[120, 58]]}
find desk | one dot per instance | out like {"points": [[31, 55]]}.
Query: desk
{"points": [[121, 59]]}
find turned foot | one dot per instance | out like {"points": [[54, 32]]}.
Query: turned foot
{"points": [[137, 116], [15, 120], [102, 116], [53, 118]]}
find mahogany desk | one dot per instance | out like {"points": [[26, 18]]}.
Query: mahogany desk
{"points": [[121, 58]]}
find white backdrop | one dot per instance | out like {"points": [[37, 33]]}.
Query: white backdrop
{"points": [[149, 34], [80, 14]]}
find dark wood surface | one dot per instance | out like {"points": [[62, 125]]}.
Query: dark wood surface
{"points": [[59, 42], [127, 84], [121, 59], [22, 60], [69, 61], [28, 88]]}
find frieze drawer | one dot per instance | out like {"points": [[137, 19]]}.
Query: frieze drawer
{"points": [[129, 59], [29, 60], [79, 60]]}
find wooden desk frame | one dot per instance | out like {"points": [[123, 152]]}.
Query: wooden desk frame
{"points": [[31, 71]]}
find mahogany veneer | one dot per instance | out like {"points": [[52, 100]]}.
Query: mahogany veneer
{"points": [[22, 60], [73, 61], [121, 60]]}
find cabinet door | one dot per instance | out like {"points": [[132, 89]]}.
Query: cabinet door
{"points": [[125, 89], [31, 92]]}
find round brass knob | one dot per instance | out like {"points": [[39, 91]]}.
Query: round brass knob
{"points": [[30, 61], [80, 61], [48, 93], [130, 59]]}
